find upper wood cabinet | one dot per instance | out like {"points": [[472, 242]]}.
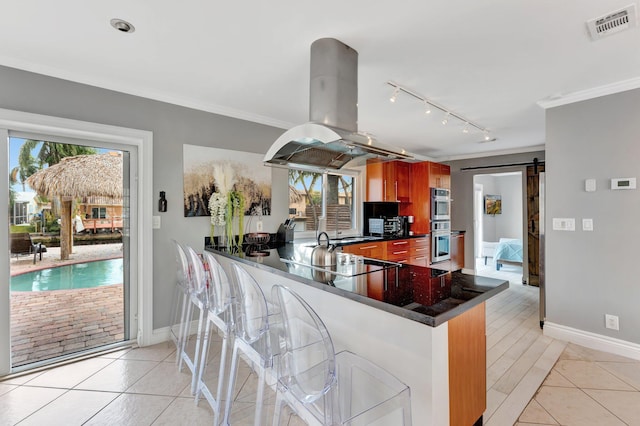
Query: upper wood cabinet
{"points": [[388, 181], [439, 175]]}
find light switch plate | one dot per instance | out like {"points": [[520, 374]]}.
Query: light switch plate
{"points": [[587, 224], [590, 185], [156, 222], [564, 224]]}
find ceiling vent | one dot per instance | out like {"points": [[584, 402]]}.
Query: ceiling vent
{"points": [[612, 22]]}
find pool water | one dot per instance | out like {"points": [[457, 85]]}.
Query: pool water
{"points": [[80, 275]]}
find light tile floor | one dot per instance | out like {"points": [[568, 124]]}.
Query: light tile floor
{"points": [[531, 380]]}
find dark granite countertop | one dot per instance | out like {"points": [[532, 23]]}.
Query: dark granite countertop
{"points": [[426, 295]]}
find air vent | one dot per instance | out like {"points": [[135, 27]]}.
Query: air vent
{"points": [[612, 22]]}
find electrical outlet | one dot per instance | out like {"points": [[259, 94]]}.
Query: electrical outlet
{"points": [[259, 226], [611, 322]]}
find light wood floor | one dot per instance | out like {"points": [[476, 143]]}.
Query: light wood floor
{"points": [[519, 357]]}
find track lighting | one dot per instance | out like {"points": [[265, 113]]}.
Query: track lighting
{"points": [[394, 96], [429, 105]]}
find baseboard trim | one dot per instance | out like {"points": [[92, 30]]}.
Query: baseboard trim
{"points": [[592, 340], [160, 335]]}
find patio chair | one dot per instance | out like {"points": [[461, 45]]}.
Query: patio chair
{"points": [[21, 244]]}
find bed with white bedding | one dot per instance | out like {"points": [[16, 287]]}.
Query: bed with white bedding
{"points": [[508, 252]]}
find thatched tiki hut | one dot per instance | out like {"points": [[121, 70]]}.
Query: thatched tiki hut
{"points": [[74, 177]]}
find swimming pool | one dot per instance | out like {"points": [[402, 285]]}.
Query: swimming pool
{"points": [[67, 277]]}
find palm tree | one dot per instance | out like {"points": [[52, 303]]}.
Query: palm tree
{"points": [[301, 177], [50, 153]]}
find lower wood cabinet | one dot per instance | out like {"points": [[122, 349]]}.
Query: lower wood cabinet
{"points": [[467, 367], [420, 253], [398, 251], [414, 251], [375, 250]]}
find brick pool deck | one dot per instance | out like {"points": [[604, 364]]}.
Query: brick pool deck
{"points": [[47, 324]]}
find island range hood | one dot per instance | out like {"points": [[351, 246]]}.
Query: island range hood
{"points": [[331, 138]]}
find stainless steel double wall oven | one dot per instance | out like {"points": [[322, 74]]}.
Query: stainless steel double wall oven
{"points": [[440, 225]]}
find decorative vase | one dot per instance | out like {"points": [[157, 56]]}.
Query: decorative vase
{"points": [[222, 236]]}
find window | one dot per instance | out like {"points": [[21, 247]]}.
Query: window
{"points": [[99, 212], [313, 195]]}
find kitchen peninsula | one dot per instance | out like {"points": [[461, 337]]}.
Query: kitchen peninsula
{"points": [[425, 326]]}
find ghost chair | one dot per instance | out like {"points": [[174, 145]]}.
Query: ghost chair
{"points": [[219, 319], [198, 299], [252, 338], [325, 388]]}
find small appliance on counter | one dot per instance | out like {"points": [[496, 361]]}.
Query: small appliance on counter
{"points": [[377, 210], [285, 231]]}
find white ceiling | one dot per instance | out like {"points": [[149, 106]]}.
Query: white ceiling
{"points": [[489, 61]]}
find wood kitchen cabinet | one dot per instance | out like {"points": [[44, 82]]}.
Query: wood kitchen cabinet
{"points": [[388, 181], [467, 367], [375, 250], [439, 175], [457, 252], [419, 251], [414, 251], [420, 198], [398, 251]]}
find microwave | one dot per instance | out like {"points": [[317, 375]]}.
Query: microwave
{"points": [[440, 204]]}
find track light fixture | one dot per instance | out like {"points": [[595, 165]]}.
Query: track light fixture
{"points": [[429, 105], [394, 96]]}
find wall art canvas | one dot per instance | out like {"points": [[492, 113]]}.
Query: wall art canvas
{"points": [[493, 204], [210, 170]]}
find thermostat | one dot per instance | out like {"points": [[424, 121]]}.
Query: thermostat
{"points": [[623, 183]]}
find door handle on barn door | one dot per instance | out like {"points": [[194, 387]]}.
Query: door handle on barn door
{"points": [[533, 226]]}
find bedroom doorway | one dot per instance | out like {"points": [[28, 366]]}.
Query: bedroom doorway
{"points": [[499, 225]]}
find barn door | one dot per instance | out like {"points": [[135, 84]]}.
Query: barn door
{"points": [[533, 223]]}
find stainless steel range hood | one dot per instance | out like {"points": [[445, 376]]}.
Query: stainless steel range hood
{"points": [[331, 138]]}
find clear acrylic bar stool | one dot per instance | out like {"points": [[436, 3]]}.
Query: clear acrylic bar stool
{"points": [[198, 298], [326, 388], [251, 337], [180, 298], [220, 317]]}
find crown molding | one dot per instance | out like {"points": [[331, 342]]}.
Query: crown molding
{"points": [[483, 154], [595, 92]]}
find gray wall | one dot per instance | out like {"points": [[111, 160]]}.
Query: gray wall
{"points": [[462, 191], [589, 274], [172, 126], [509, 223]]}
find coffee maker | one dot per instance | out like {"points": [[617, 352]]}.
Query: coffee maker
{"points": [[404, 225]]}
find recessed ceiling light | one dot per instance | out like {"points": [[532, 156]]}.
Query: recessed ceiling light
{"points": [[122, 25]]}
